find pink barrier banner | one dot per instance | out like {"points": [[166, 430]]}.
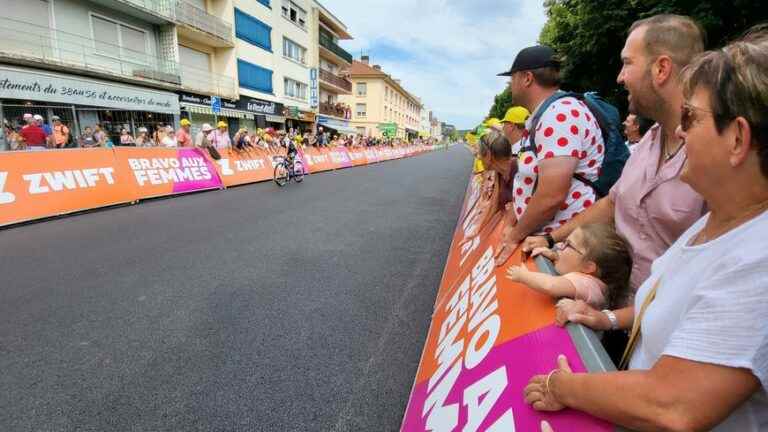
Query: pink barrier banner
{"points": [[167, 171], [487, 338]]}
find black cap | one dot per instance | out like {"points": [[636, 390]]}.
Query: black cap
{"points": [[534, 57]]}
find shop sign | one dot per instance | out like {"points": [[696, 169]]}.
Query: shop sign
{"points": [[313, 99], [258, 106], [205, 100], [30, 84]]}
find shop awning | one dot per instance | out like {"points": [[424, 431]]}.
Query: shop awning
{"points": [[340, 128], [225, 112]]}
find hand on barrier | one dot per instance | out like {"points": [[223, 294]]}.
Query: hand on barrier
{"points": [[545, 252], [505, 251], [578, 311], [539, 391], [533, 242], [516, 273]]}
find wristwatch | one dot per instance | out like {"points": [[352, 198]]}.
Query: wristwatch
{"points": [[612, 318], [550, 240]]}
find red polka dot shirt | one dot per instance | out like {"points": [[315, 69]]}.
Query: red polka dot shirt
{"points": [[566, 129]]}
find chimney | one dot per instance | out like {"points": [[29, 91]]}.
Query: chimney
{"points": [[365, 59], [377, 67]]}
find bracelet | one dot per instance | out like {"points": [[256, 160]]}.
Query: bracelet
{"points": [[612, 318], [550, 240], [549, 377]]}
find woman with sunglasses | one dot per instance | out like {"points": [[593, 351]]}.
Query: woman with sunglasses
{"points": [[698, 353], [594, 264]]}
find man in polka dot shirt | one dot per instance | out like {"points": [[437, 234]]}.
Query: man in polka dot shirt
{"points": [[568, 141]]}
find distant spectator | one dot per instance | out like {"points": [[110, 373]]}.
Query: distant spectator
{"points": [[242, 141], [126, 139], [142, 139], [635, 128], [13, 139], [60, 133], [201, 139], [87, 140], [45, 126], [169, 138], [159, 134], [100, 136], [183, 138], [220, 137], [33, 135]]}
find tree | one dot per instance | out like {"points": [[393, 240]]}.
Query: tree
{"points": [[589, 35], [501, 103]]}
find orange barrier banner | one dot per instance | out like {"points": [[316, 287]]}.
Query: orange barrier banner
{"points": [[250, 166], [487, 338], [35, 185]]}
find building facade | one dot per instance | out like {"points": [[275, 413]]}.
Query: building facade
{"points": [[381, 107], [145, 63], [332, 73]]}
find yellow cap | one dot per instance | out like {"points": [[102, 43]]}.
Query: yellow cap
{"points": [[221, 124], [492, 122], [185, 122], [516, 115]]}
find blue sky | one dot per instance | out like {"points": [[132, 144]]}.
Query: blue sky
{"points": [[447, 52]]}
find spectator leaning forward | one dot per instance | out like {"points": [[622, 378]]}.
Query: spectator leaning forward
{"points": [[698, 353], [558, 159]]}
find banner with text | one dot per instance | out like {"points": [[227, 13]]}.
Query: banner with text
{"points": [[487, 338], [36, 185]]}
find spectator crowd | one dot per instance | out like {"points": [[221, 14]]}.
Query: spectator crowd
{"points": [[657, 236], [36, 135]]}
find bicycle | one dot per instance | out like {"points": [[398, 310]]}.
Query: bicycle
{"points": [[284, 172]]}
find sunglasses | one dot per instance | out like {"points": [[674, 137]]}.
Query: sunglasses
{"points": [[567, 244], [688, 115]]}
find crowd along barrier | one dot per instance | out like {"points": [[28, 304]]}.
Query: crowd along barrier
{"points": [[488, 336], [36, 185]]}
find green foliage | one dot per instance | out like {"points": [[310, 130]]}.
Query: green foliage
{"points": [[501, 103], [589, 35]]}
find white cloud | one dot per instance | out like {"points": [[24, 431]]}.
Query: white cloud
{"points": [[447, 52]]}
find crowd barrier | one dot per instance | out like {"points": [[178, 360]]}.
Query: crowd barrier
{"points": [[35, 185], [489, 336]]}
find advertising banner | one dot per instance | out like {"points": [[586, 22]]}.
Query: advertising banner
{"points": [[167, 171], [237, 168], [40, 184], [36, 185], [487, 338]]}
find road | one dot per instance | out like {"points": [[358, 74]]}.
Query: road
{"points": [[252, 309]]}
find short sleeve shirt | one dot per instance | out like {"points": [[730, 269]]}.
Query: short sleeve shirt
{"points": [[33, 135], [566, 129], [588, 288], [711, 307]]}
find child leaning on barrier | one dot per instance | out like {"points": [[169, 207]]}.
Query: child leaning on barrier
{"points": [[593, 263]]}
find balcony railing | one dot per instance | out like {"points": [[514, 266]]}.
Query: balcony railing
{"points": [[197, 18], [202, 81], [33, 43], [336, 109], [163, 8], [326, 41], [335, 80]]}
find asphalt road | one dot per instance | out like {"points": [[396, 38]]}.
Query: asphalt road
{"points": [[251, 309]]}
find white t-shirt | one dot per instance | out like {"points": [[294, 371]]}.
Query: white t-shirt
{"points": [[712, 307], [565, 129]]}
